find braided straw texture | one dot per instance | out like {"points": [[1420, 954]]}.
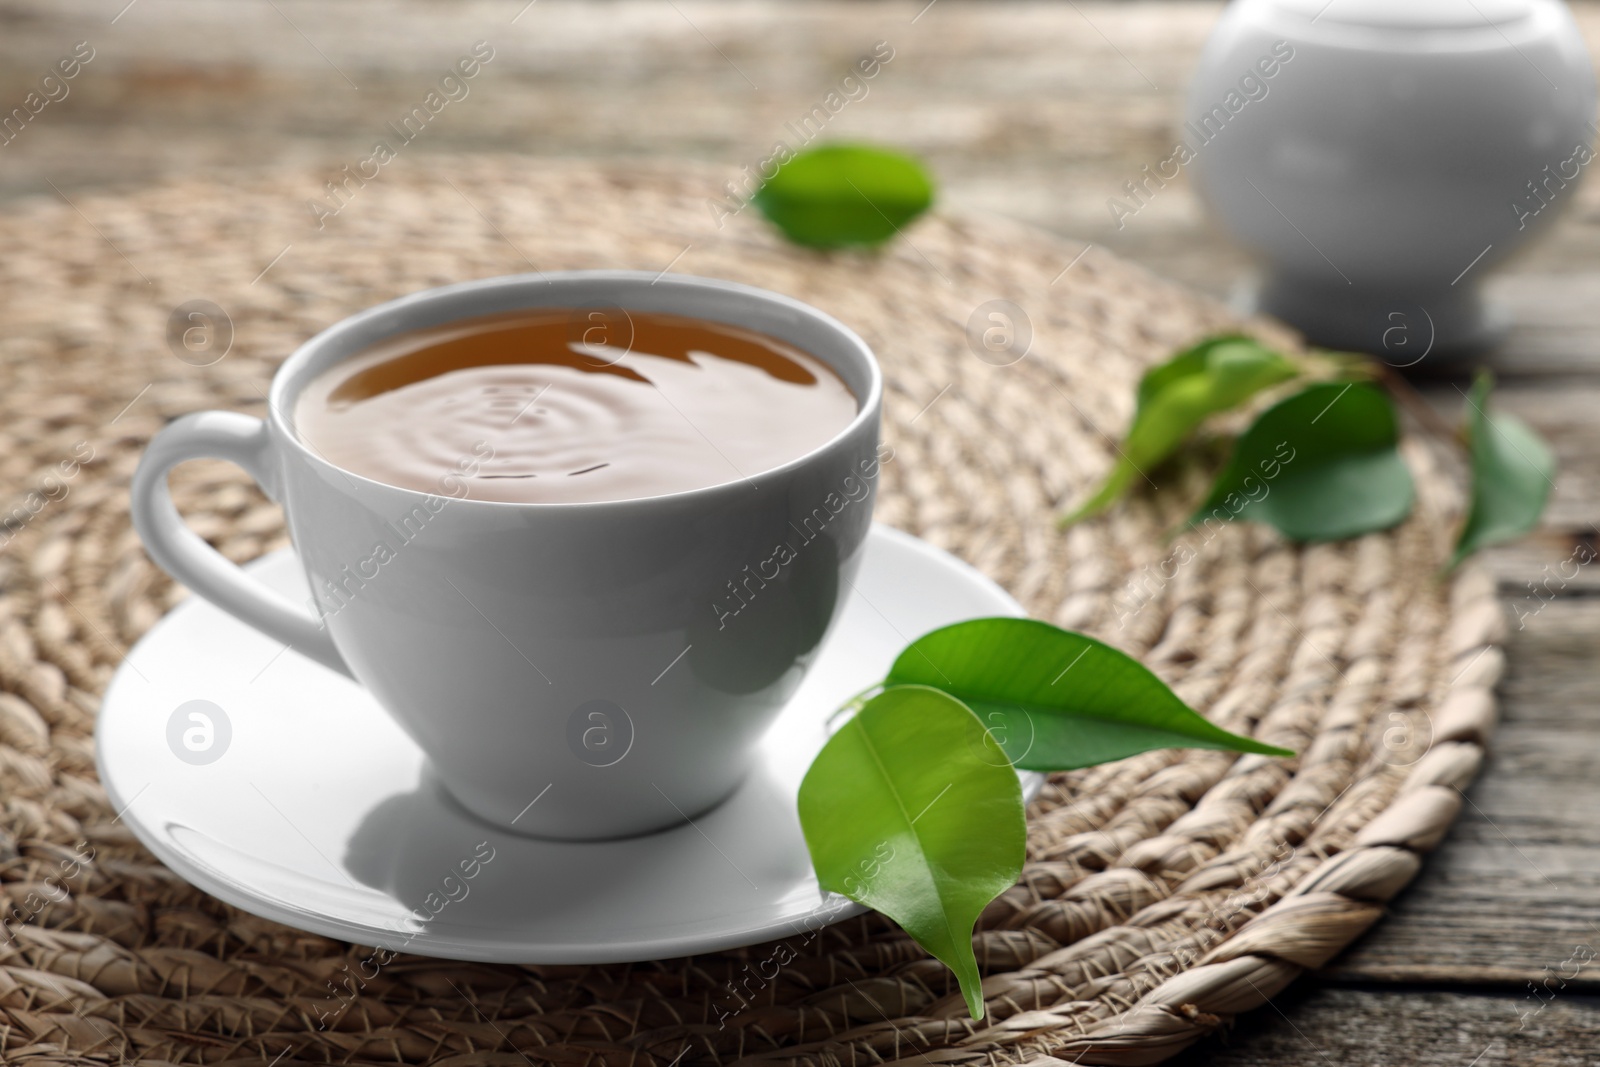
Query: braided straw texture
{"points": [[1163, 894]]}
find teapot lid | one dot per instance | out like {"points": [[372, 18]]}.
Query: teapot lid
{"points": [[1411, 14]]}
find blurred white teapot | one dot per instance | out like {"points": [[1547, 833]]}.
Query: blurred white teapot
{"points": [[1396, 150]]}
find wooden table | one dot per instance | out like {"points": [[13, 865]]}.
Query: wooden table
{"points": [[1034, 110]]}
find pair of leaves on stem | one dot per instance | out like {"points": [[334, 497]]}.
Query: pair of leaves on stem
{"points": [[1322, 464], [913, 807], [1319, 465]]}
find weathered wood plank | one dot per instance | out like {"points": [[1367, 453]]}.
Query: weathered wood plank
{"points": [[1361, 1028], [1557, 328]]}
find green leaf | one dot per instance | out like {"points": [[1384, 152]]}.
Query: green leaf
{"points": [[1512, 472], [911, 809], [1321, 465], [845, 194], [1055, 699], [1175, 398]]}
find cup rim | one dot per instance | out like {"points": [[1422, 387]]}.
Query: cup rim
{"points": [[292, 367]]}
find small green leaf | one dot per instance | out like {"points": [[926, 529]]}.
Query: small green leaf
{"points": [[1175, 398], [845, 194], [911, 809], [1321, 465], [1056, 700], [1512, 472]]}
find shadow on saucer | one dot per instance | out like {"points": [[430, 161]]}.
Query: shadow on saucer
{"points": [[455, 877]]}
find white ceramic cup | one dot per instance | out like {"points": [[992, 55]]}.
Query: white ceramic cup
{"points": [[571, 670]]}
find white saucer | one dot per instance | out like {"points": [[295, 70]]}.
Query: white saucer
{"points": [[320, 813]]}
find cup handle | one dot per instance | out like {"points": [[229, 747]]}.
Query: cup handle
{"points": [[179, 551]]}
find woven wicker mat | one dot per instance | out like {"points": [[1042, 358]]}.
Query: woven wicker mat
{"points": [[1163, 895]]}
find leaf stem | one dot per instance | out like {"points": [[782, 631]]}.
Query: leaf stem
{"points": [[855, 703], [1408, 397]]}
